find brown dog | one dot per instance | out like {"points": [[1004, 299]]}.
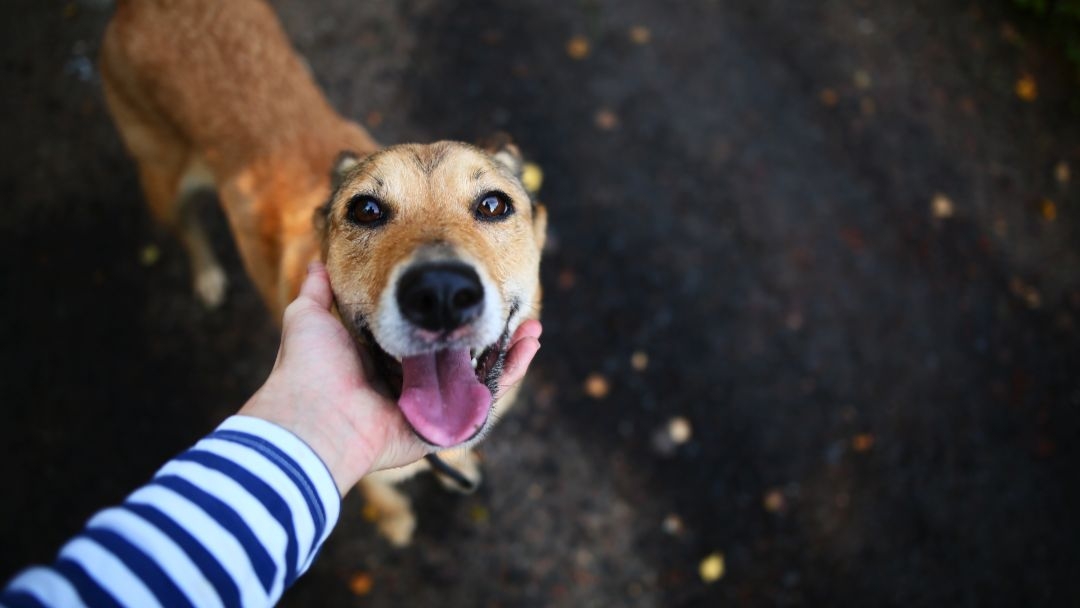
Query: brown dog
{"points": [[433, 250]]}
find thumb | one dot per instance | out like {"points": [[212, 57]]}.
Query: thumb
{"points": [[316, 286]]}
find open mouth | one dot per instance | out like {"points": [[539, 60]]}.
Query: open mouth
{"points": [[446, 395]]}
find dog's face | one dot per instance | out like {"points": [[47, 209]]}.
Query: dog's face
{"points": [[433, 252]]}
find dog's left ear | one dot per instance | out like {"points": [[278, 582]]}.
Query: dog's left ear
{"points": [[502, 148]]}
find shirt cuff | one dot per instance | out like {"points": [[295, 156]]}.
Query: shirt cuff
{"points": [[315, 475]]}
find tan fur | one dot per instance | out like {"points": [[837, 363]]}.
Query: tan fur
{"points": [[205, 83], [430, 206], [210, 94]]}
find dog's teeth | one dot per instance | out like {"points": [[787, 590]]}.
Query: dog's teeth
{"points": [[474, 362]]}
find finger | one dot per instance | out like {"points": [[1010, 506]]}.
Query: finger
{"points": [[316, 286], [517, 362], [530, 328]]}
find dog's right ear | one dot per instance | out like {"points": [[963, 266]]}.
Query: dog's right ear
{"points": [[344, 163]]}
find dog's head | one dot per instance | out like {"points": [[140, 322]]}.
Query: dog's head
{"points": [[433, 253]]}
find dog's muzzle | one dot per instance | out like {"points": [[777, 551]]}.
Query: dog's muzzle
{"points": [[440, 297]]}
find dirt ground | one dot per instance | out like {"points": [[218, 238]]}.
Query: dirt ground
{"points": [[837, 240]]}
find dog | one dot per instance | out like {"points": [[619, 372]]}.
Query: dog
{"points": [[433, 251]]}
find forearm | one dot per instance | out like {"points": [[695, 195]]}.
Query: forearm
{"points": [[233, 521]]}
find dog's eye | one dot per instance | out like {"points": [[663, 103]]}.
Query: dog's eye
{"points": [[494, 206], [365, 211]]}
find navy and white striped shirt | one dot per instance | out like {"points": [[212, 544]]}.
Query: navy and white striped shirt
{"points": [[231, 522]]}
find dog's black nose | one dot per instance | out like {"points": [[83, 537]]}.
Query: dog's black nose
{"points": [[440, 297]]}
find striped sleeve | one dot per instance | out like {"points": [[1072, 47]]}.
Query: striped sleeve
{"points": [[231, 522]]}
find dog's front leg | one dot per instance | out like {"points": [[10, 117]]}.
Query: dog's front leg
{"points": [[392, 510]]}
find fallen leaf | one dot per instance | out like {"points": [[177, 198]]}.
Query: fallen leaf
{"points": [[577, 48], [672, 524], [596, 386], [1009, 33], [567, 279], [1045, 447], [828, 98], [862, 442], [479, 514], [679, 430], [862, 80], [1062, 173], [1001, 227], [1048, 210], [532, 177], [639, 361], [149, 255], [774, 501], [853, 238], [639, 34], [1028, 293], [606, 120], [941, 206], [361, 583], [794, 320], [712, 568], [1026, 88]]}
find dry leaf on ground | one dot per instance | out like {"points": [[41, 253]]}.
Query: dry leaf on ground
{"points": [[712, 568]]}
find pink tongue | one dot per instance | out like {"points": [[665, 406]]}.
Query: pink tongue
{"points": [[441, 397]]}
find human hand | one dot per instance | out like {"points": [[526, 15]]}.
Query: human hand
{"points": [[324, 389]]}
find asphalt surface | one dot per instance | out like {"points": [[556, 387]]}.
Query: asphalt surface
{"points": [[881, 391]]}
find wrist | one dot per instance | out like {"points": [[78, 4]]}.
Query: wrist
{"points": [[347, 454]]}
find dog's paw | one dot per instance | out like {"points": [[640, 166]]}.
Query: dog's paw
{"points": [[469, 467], [210, 285], [397, 527]]}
